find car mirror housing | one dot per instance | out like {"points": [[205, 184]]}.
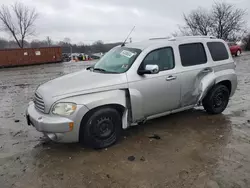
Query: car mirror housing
{"points": [[149, 69]]}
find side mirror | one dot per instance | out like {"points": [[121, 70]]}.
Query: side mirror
{"points": [[149, 69]]}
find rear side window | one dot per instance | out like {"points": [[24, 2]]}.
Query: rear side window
{"points": [[218, 51], [192, 54]]}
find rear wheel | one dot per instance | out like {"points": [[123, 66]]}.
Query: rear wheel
{"points": [[102, 129], [216, 100], [238, 53]]}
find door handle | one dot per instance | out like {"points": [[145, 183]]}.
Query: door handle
{"points": [[169, 78], [207, 70]]}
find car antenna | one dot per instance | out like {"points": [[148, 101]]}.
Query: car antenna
{"points": [[123, 44]]}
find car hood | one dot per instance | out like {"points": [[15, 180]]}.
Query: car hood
{"points": [[81, 82]]}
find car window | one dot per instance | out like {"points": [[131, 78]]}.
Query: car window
{"points": [[218, 51], [192, 54], [163, 57]]}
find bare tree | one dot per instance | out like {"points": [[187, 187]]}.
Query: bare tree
{"points": [[223, 21], [198, 22], [98, 46], [67, 40], [227, 20], [18, 20], [183, 31], [246, 42], [49, 41], [3, 43]]}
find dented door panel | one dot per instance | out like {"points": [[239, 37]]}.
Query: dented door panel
{"points": [[206, 83], [195, 84], [194, 90]]}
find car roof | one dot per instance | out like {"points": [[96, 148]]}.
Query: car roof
{"points": [[145, 44], [170, 41]]}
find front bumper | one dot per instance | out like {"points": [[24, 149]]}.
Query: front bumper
{"points": [[57, 128]]}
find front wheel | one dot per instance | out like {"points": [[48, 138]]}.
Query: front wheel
{"points": [[102, 129], [216, 100]]}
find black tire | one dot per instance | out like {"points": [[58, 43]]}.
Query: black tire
{"points": [[102, 129], [216, 99], [237, 53]]}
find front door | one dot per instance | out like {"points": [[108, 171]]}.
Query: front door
{"points": [[158, 92]]}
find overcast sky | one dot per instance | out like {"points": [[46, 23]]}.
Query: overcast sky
{"points": [[111, 20]]}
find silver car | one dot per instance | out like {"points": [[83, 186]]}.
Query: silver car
{"points": [[132, 84]]}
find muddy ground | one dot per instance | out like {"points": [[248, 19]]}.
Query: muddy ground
{"points": [[194, 149]]}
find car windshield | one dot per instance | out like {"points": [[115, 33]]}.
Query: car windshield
{"points": [[117, 60]]}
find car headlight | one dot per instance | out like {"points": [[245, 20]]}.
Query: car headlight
{"points": [[64, 109]]}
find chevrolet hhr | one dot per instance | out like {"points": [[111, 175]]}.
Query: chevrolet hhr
{"points": [[131, 84]]}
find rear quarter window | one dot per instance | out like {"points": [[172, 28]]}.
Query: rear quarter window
{"points": [[192, 54], [218, 51]]}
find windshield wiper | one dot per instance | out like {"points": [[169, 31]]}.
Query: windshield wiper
{"points": [[99, 69], [103, 70], [90, 67]]}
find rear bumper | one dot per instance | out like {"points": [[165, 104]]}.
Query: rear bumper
{"points": [[56, 128]]}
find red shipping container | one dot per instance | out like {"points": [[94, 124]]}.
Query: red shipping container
{"points": [[30, 56]]}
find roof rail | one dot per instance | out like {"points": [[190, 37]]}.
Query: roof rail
{"points": [[159, 38], [191, 37]]}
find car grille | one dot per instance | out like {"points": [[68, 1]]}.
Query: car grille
{"points": [[39, 104]]}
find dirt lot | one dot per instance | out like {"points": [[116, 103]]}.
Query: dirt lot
{"points": [[195, 149]]}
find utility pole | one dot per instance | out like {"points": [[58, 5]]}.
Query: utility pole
{"points": [[70, 50], [70, 47]]}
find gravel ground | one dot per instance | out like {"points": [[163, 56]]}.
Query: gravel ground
{"points": [[193, 149]]}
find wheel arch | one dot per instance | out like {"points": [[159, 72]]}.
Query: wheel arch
{"points": [[116, 99], [226, 83], [120, 109], [229, 79]]}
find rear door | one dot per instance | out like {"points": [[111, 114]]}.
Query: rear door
{"points": [[194, 66]]}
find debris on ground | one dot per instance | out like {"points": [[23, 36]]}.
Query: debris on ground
{"points": [[17, 133], [142, 158], [155, 136], [18, 158], [131, 158], [22, 85], [17, 120]]}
